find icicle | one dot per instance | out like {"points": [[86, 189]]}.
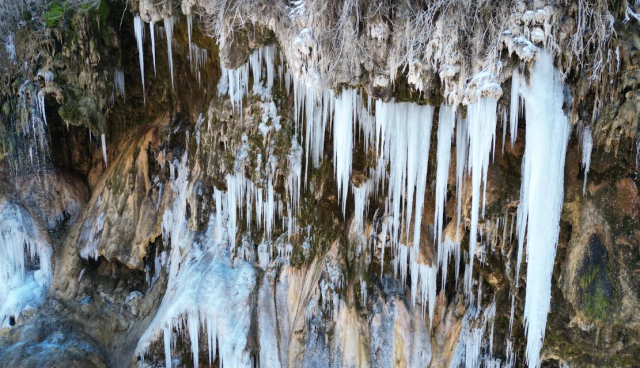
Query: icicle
{"points": [[587, 146], [104, 148], [193, 328], [514, 109], [547, 134], [446, 125], [294, 180], [153, 44], [167, 346], [343, 142], [462, 145], [41, 106], [189, 30], [168, 27], [361, 203], [139, 31], [445, 248], [511, 315], [118, 82], [482, 130], [426, 275], [504, 127], [403, 134]]}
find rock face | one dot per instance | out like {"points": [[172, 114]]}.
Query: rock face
{"points": [[318, 184]]}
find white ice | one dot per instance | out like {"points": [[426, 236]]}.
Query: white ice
{"points": [[482, 130], [541, 194], [139, 32]]}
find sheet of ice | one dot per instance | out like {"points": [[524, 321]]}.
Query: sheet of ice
{"points": [[139, 33], [541, 195], [206, 289]]}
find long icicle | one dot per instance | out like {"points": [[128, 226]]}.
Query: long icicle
{"points": [[152, 31], [541, 196], [139, 31]]}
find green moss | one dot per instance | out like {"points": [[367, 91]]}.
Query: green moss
{"points": [[55, 14], [81, 110]]}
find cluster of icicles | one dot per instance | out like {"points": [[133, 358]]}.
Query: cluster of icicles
{"points": [[400, 134]]}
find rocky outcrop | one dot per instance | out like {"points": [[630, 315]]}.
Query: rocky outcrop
{"points": [[207, 228]]}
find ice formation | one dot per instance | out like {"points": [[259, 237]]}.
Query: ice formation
{"points": [[168, 28], [514, 108], [541, 194], [21, 239], [403, 132], [446, 124], [343, 123], [482, 130], [462, 147], [139, 32], [103, 140], [587, 146], [205, 290], [152, 32], [118, 82]]}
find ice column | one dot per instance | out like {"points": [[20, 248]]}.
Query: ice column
{"points": [[168, 27], [153, 44], [139, 31], [514, 108], [462, 146], [587, 146], [541, 194], [104, 148], [446, 124], [482, 131], [343, 142]]}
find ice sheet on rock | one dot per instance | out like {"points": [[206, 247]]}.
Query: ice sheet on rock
{"points": [[206, 289], [21, 239], [473, 349], [268, 323], [541, 195]]}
